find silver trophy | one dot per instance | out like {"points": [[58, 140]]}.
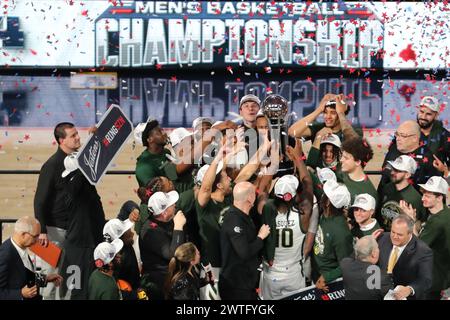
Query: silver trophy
{"points": [[275, 108]]}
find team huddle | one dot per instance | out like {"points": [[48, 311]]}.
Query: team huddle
{"points": [[237, 210]]}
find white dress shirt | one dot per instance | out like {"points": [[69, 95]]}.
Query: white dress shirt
{"points": [[24, 256]]}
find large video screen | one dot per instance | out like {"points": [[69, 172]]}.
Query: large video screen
{"points": [[224, 34]]}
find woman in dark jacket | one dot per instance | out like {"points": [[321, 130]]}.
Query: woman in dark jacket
{"points": [[183, 281]]}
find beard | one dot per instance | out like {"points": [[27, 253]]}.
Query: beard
{"points": [[396, 180], [424, 124]]}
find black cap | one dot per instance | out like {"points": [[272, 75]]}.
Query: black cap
{"points": [[152, 124], [126, 209]]}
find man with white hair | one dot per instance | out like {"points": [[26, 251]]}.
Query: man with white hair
{"points": [[407, 259], [407, 142], [363, 279], [17, 270]]}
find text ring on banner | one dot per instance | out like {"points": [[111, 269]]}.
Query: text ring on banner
{"points": [[103, 146]]}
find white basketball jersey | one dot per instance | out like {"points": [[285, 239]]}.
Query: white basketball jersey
{"points": [[289, 243]]}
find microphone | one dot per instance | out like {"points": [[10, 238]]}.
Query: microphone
{"points": [[208, 271]]}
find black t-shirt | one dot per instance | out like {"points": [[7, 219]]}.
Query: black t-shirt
{"points": [[86, 215], [240, 248]]}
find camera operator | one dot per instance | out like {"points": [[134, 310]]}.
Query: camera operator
{"points": [[18, 277]]}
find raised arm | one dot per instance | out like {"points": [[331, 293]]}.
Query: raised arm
{"points": [[346, 127], [204, 194], [301, 127]]}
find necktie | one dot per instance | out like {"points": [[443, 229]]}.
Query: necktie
{"points": [[392, 260]]}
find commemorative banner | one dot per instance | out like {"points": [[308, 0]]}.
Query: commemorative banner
{"points": [[102, 147], [336, 292]]}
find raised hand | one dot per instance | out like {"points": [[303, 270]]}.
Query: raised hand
{"points": [[341, 105], [408, 209], [325, 99]]}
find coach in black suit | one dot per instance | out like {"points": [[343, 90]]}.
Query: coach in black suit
{"points": [[17, 277], [408, 259], [363, 279]]}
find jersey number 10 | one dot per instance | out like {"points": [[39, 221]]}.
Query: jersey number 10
{"points": [[285, 237]]}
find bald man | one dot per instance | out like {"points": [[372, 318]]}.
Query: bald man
{"points": [[240, 246], [407, 142], [17, 270]]}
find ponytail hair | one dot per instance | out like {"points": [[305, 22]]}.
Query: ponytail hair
{"points": [[179, 265], [154, 185]]}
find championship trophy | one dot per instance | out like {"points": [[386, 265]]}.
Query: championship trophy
{"points": [[275, 108]]}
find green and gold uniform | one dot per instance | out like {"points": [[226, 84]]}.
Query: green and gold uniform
{"points": [[333, 242]]}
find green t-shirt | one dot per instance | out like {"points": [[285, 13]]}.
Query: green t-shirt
{"points": [[210, 220], [184, 182], [103, 287], [317, 126], [358, 187], [333, 242], [389, 204], [436, 234], [150, 165], [358, 233]]}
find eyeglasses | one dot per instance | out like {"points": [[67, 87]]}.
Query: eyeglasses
{"points": [[403, 135], [32, 235]]}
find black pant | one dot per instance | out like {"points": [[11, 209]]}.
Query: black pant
{"points": [[83, 260], [228, 292]]}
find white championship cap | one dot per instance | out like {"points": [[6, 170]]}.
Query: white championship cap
{"points": [[431, 103], [332, 139], [70, 164], [404, 163], [249, 97], [198, 121], [160, 201], [325, 174], [115, 228], [337, 193], [202, 171], [436, 184], [178, 135], [364, 201], [106, 251], [286, 187]]}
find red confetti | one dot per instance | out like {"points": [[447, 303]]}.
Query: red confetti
{"points": [[408, 54], [33, 52], [84, 12]]}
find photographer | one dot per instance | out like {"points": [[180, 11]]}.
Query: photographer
{"points": [[18, 279]]}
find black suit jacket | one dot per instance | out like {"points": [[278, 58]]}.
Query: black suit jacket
{"points": [[356, 275], [13, 274], [413, 268]]}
